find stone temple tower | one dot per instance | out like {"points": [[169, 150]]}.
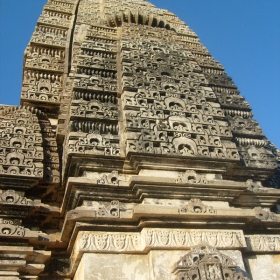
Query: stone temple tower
{"points": [[132, 155]]}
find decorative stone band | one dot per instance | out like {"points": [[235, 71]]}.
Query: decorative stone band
{"points": [[158, 239], [263, 243]]}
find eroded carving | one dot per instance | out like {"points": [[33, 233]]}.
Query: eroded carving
{"points": [[265, 215], [195, 206], [110, 179], [9, 228], [11, 197], [205, 262], [191, 177]]}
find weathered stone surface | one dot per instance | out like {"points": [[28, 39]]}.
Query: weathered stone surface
{"points": [[264, 266]]}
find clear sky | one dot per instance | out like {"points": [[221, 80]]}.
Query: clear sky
{"points": [[243, 35]]}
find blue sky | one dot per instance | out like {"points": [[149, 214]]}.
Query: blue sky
{"points": [[243, 35]]}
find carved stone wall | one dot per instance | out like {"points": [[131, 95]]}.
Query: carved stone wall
{"points": [[133, 155]]}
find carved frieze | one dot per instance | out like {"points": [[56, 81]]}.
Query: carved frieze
{"points": [[123, 242], [263, 243], [159, 239]]}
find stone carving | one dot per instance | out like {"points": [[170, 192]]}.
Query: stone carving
{"points": [[263, 243], [95, 93], [95, 143], [55, 18], [265, 215], [42, 87], [94, 109], [251, 142], [205, 262], [59, 6], [274, 181], [126, 86], [195, 206], [8, 228], [183, 238], [110, 242], [167, 98], [111, 179], [160, 238], [44, 58], [21, 151], [256, 187], [258, 157], [11, 197], [47, 35], [23, 132], [191, 177]]}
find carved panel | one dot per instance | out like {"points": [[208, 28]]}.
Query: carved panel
{"points": [[206, 263]]}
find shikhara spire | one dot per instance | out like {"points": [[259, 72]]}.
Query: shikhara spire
{"points": [[129, 140]]}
